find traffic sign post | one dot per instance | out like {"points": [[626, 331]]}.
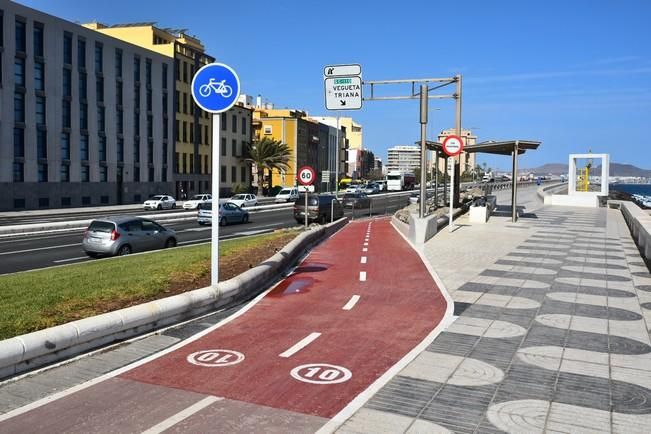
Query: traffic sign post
{"points": [[215, 88], [452, 146], [343, 93], [306, 176]]}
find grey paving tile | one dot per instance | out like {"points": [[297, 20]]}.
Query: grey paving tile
{"points": [[646, 288], [583, 390], [453, 343], [404, 395], [540, 335]]}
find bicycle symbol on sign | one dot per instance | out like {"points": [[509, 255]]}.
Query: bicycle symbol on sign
{"points": [[215, 86]]}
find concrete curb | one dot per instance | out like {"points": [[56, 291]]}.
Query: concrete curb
{"points": [[32, 350], [428, 228], [546, 191]]}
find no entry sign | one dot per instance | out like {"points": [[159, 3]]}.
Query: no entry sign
{"points": [[452, 145], [306, 175]]}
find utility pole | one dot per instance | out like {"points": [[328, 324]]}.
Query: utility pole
{"points": [[423, 149], [457, 167]]}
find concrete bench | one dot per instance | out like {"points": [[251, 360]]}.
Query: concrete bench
{"points": [[480, 213], [639, 222]]}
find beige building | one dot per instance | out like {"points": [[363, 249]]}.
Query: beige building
{"points": [[467, 161], [193, 126]]}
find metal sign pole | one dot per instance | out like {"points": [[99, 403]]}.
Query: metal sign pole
{"points": [[423, 150], [306, 208], [214, 250], [451, 164]]}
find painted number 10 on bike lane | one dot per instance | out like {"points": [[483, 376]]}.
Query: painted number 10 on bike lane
{"points": [[215, 87]]}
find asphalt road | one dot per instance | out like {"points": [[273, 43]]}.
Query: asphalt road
{"points": [[23, 253]]}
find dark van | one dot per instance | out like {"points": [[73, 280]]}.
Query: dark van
{"points": [[320, 208]]}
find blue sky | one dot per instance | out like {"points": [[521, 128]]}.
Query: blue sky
{"points": [[575, 75]]}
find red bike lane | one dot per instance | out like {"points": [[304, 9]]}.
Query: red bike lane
{"points": [[354, 307]]}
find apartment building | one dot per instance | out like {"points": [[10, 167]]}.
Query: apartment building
{"points": [[193, 126], [403, 158], [467, 161], [85, 119]]}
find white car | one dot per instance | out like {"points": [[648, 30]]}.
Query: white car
{"points": [[354, 188], [195, 200], [244, 200], [160, 201], [287, 195]]}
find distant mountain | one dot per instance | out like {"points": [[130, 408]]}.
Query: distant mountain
{"points": [[616, 169]]}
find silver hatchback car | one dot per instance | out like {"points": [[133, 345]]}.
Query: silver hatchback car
{"points": [[125, 234]]}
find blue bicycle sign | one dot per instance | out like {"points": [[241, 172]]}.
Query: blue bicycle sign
{"points": [[215, 87]]}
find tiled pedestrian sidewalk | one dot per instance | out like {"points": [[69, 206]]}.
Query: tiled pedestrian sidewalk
{"points": [[552, 333]]}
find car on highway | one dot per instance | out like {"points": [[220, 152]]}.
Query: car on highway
{"points": [[371, 188], [244, 200], [122, 235], [228, 213], [160, 201], [320, 208], [354, 188], [356, 200], [287, 195], [195, 200], [414, 198]]}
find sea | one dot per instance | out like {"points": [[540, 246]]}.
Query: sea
{"points": [[641, 189]]}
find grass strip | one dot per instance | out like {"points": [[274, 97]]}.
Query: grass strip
{"points": [[44, 298]]}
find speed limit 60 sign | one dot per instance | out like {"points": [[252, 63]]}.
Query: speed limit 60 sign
{"points": [[306, 175]]}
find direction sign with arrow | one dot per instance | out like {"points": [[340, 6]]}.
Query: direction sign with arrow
{"points": [[343, 93]]}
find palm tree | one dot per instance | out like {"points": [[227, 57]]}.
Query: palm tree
{"points": [[269, 154]]}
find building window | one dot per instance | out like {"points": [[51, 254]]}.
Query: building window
{"points": [[99, 57], [234, 147], [177, 70], [136, 151], [206, 137], [118, 93], [233, 174], [101, 119], [102, 148], [19, 203], [223, 121], [103, 173], [242, 174], [177, 162], [267, 130], [99, 89], [19, 71], [191, 132], [19, 172], [65, 173], [148, 72], [185, 103], [43, 202], [178, 130], [38, 39], [81, 53], [223, 150], [85, 173], [205, 164], [65, 146], [67, 82], [191, 163], [185, 72], [136, 97], [165, 153], [19, 143], [222, 173], [136, 69], [136, 177], [39, 76], [244, 126], [234, 123], [83, 116], [185, 131], [40, 110], [42, 172], [120, 150], [119, 121], [149, 100], [150, 152], [66, 114], [67, 48], [83, 147], [19, 107], [185, 163], [83, 94], [20, 36], [151, 174], [136, 124], [165, 76], [177, 101], [118, 63], [66, 201], [41, 144]]}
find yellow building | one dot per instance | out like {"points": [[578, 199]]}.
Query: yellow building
{"points": [[193, 126], [297, 131], [353, 133]]}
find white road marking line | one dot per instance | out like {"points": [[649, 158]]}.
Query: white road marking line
{"points": [[180, 243], [182, 415], [70, 259], [366, 244], [364, 249], [362, 276], [351, 303], [300, 345], [40, 248], [363, 259]]}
